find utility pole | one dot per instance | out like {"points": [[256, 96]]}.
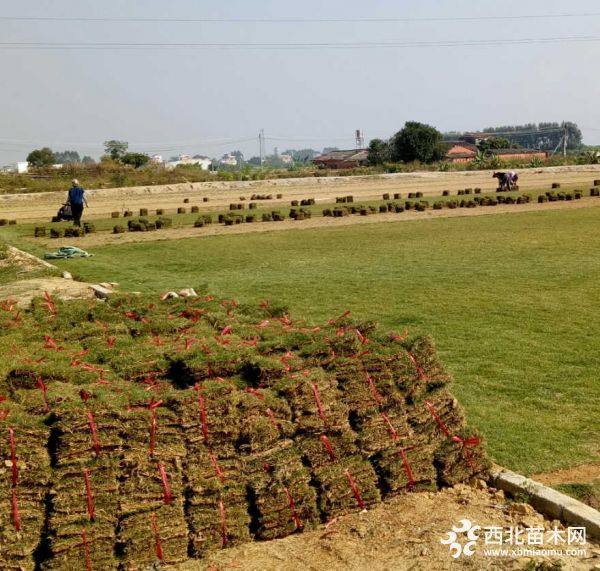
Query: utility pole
{"points": [[565, 139], [261, 145]]}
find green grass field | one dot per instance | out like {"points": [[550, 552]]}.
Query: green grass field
{"points": [[511, 300]]}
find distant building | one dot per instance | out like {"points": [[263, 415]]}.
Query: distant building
{"points": [[23, 167], [463, 152], [199, 160], [230, 160], [156, 160], [342, 159], [286, 159]]}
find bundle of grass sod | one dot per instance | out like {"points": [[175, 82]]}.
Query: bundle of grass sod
{"points": [[143, 430]]}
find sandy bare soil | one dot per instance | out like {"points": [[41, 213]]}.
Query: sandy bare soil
{"points": [[104, 238], [402, 534], [578, 474], [42, 206]]}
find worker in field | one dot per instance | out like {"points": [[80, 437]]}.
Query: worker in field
{"points": [[77, 201], [506, 180]]}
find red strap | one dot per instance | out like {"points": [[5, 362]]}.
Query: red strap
{"points": [[157, 543], [153, 426], [319, 404], [86, 550], [420, 371], [15, 510], [44, 390], [13, 457], [88, 494], [393, 432], [437, 418], [295, 517], [167, 494], [202, 408], [373, 389], [218, 471], [355, 490], [223, 524], [407, 468], [95, 442], [328, 446]]}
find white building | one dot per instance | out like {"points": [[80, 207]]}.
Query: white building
{"points": [[156, 160], [286, 159], [230, 160], [203, 162], [23, 167]]}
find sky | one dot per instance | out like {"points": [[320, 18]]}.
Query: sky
{"points": [[212, 100]]}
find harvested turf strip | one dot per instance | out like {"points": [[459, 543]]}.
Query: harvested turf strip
{"points": [[138, 432]]}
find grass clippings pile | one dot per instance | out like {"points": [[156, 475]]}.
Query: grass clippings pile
{"points": [[139, 431]]}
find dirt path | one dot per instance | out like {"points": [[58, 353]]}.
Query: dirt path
{"points": [[106, 238], [42, 206], [402, 534], [578, 475]]}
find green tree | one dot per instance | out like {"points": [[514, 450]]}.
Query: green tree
{"points": [[488, 145], [115, 149], [87, 160], [379, 152], [66, 157], [136, 160], [41, 157], [417, 142]]}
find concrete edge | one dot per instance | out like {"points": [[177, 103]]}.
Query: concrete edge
{"points": [[548, 501]]}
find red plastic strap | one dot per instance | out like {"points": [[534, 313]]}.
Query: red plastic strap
{"points": [[44, 390], [86, 551], [420, 371], [167, 493], [16, 517], [273, 419], [363, 340], [407, 468], [84, 395], [50, 304], [110, 341], [223, 524], [95, 442], [88, 494], [393, 432], [157, 543], [437, 418], [355, 489], [319, 404], [378, 398], [295, 517], [467, 443], [226, 330], [152, 430], [218, 470], [328, 446], [202, 409], [13, 457]]}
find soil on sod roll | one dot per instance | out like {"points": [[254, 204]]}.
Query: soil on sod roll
{"points": [[141, 431]]}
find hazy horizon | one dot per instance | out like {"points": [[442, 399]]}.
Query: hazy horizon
{"points": [[212, 100]]}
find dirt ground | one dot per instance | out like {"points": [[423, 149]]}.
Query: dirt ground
{"points": [[104, 238], [402, 534], [578, 474], [42, 206]]}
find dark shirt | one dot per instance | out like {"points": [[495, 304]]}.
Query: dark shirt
{"points": [[76, 195]]}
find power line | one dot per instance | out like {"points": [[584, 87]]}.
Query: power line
{"points": [[297, 20], [289, 46]]}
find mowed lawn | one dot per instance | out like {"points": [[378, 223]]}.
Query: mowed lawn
{"points": [[512, 301]]}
